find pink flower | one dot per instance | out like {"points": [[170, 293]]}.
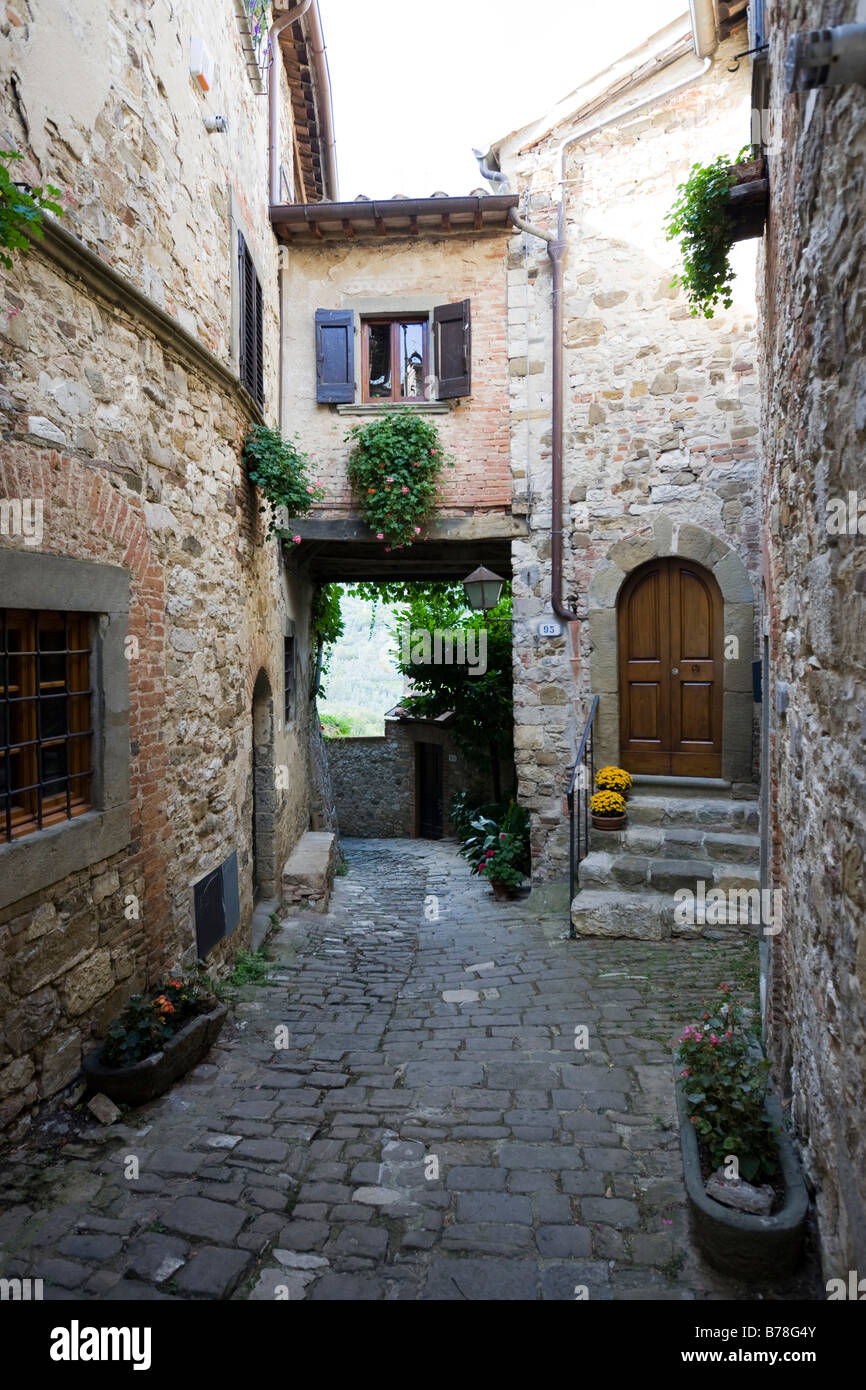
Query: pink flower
{"points": [[713, 1038], [434, 451], [416, 465], [698, 1037], [404, 490], [685, 1072], [417, 530], [296, 540], [380, 536], [389, 480], [729, 1033]]}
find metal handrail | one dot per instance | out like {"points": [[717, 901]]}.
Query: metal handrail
{"points": [[582, 785]]}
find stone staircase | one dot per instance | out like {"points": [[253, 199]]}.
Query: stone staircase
{"points": [[681, 833]]}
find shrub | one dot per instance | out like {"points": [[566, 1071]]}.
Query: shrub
{"points": [[726, 1085], [280, 472], [393, 468]]}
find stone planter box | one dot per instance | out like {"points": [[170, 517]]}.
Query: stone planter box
{"points": [[752, 1248], [749, 199], [155, 1074]]}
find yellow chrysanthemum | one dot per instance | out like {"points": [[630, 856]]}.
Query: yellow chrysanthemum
{"points": [[608, 804], [613, 779]]}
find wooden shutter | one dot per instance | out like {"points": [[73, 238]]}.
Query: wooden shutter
{"points": [[335, 356], [452, 337], [252, 355]]}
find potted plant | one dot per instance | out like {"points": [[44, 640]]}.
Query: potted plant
{"points": [[732, 1137], [156, 1039], [613, 779], [499, 849], [719, 203], [608, 810]]}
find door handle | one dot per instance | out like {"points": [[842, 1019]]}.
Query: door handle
{"points": [[675, 671]]}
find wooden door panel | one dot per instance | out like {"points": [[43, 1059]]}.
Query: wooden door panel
{"points": [[670, 670]]}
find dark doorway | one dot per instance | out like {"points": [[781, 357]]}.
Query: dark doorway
{"points": [[670, 670], [428, 782]]}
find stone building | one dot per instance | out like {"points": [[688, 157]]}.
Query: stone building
{"points": [[660, 518], [813, 298], [154, 761], [400, 785]]}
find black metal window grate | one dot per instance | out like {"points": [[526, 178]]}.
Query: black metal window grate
{"points": [[46, 735]]}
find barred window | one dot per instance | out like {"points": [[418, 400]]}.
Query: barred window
{"points": [[46, 737]]}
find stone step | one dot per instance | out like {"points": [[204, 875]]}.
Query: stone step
{"points": [[663, 875], [642, 916], [308, 875], [674, 842], [684, 812]]}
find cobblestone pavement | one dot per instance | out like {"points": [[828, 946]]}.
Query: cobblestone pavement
{"points": [[431, 1131]]}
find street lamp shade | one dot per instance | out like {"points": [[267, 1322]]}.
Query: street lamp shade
{"points": [[483, 588]]}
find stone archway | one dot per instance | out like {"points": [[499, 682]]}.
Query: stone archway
{"points": [[264, 790], [694, 543]]}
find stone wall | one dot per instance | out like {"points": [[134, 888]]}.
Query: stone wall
{"points": [[374, 779], [660, 407], [118, 419], [813, 291], [389, 276]]}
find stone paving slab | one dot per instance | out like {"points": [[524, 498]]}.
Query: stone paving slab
{"points": [[410, 1142]]}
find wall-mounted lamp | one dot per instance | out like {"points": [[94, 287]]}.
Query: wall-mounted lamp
{"points": [[483, 588], [826, 58]]}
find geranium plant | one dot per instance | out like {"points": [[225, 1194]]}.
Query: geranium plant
{"points": [[148, 1021], [700, 219], [613, 779], [281, 473], [498, 847], [607, 804], [394, 468], [725, 1077]]}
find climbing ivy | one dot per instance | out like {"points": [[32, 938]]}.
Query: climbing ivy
{"points": [[21, 209]]}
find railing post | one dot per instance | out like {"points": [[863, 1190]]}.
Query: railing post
{"points": [[571, 865]]}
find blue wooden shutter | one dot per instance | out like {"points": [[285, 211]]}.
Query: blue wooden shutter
{"points": [[335, 356], [452, 336]]}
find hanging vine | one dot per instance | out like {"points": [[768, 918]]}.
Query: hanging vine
{"points": [[394, 469]]}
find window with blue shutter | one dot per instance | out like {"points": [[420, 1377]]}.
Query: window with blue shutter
{"points": [[335, 356]]}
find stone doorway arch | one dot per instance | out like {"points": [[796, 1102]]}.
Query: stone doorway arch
{"points": [[264, 790], [671, 538]]}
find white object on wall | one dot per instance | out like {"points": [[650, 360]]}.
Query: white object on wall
{"points": [[201, 63]]}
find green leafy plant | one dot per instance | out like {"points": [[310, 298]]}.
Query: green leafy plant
{"points": [[21, 209], [725, 1076], [701, 221], [393, 468], [326, 628], [251, 968], [335, 726], [281, 473], [495, 842], [147, 1021]]}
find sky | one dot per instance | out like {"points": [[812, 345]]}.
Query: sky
{"points": [[416, 86]]}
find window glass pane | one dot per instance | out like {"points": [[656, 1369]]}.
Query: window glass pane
{"points": [[380, 359], [410, 345]]}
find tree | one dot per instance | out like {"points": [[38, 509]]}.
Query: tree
{"points": [[482, 704]]}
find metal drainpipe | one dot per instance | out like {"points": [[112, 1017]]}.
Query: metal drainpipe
{"points": [[556, 245], [279, 24]]}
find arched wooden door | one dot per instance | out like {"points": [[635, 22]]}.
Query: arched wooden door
{"points": [[670, 634]]}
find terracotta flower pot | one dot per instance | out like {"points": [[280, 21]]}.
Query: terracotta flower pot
{"points": [[502, 892], [153, 1075], [608, 822]]}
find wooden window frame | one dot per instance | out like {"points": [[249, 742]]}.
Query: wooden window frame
{"points": [[368, 321], [30, 807]]}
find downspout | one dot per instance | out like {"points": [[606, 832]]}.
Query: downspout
{"points": [[279, 24], [324, 107], [556, 251]]}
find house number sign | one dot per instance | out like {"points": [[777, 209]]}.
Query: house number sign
{"points": [[549, 627]]}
